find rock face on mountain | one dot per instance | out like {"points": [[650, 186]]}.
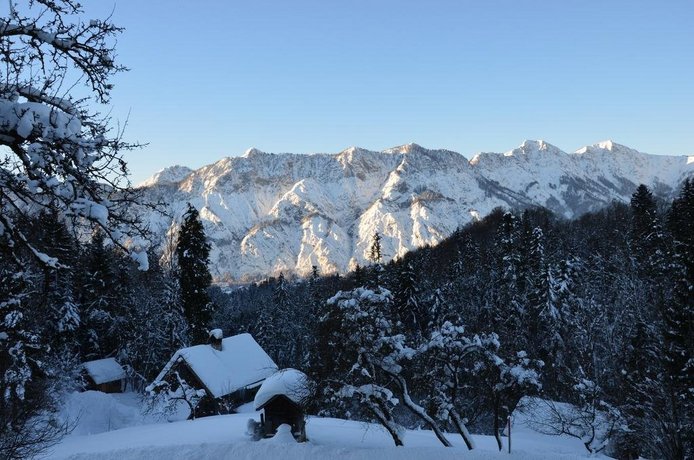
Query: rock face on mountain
{"points": [[265, 213]]}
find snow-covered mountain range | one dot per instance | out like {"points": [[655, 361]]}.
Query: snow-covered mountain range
{"points": [[265, 213]]}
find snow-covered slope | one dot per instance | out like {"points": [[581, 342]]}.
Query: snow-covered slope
{"points": [[222, 437], [167, 176], [265, 213]]}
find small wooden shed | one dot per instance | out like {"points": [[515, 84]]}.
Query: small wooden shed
{"points": [[282, 398], [104, 375]]}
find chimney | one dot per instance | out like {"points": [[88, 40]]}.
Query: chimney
{"points": [[216, 336]]}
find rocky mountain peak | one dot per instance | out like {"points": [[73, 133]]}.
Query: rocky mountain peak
{"points": [[290, 212]]}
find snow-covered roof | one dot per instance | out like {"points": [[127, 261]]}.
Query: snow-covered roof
{"points": [[240, 363], [288, 382], [217, 334], [104, 370]]}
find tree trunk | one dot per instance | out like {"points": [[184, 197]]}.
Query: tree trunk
{"points": [[386, 421], [417, 409], [497, 435], [462, 429]]}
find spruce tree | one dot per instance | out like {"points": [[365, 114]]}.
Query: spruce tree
{"points": [[58, 304], [405, 299], [647, 233], [314, 294], [359, 276], [678, 316], [375, 254], [193, 252], [100, 296]]}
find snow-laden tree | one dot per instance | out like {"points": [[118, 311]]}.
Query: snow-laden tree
{"points": [[165, 399], [647, 235], [101, 295], [155, 325], [56, 153], [283, 324], [678, 316], [449, 356], [659, 398], [382, 354], [407, 306], [504, 378], [505, 307], [354, 323]]}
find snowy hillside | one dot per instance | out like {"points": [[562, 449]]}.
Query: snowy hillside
{"points": [[223, 437], [265, 213]]}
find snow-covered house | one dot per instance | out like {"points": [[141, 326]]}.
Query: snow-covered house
{"points": [[229, 371], [104, 375], [282, 398]]}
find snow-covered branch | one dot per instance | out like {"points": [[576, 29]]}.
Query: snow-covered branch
{"points": [[55, 153]]}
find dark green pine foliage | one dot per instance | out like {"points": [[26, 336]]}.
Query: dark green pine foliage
{"points": [[406, 302], [539, 310], [678, 315], [154, 326], [280, 295], [20, 342], [24, 395], [310, 319], [359, 276], [376, 257], [314, 295], [286, 326], [57, 299], [100, 299], [542, 314], [440, 311], [278, 322], [659, 388], [504, 309], [647, 233], [375, 254], [193, 252]]}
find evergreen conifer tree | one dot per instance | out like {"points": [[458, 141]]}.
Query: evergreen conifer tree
{"points": [[58, 302], [647, 233], [375, 254], [359, 276], [405, 299], [193, 252], [100, 296], [678, 316]]}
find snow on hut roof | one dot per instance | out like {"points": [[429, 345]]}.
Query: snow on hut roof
{"points": [[217, 334], [288, 382], [240, 363], [104, 370]]}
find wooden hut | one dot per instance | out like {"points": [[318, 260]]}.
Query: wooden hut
{"points": [[229, 370], [282, 398], [104, 375]]}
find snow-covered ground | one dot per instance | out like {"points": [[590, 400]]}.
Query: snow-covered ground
{"points": [[223, 437]]}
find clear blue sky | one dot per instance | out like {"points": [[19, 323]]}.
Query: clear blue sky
{"points": [[212, 78]]}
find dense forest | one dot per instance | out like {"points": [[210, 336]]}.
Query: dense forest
{"points": [[596, 312]]}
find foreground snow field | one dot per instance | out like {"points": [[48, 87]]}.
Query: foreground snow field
{"points": [[223, 437]]}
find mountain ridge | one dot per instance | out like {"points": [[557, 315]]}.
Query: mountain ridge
{"points": [[265, 213]]}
